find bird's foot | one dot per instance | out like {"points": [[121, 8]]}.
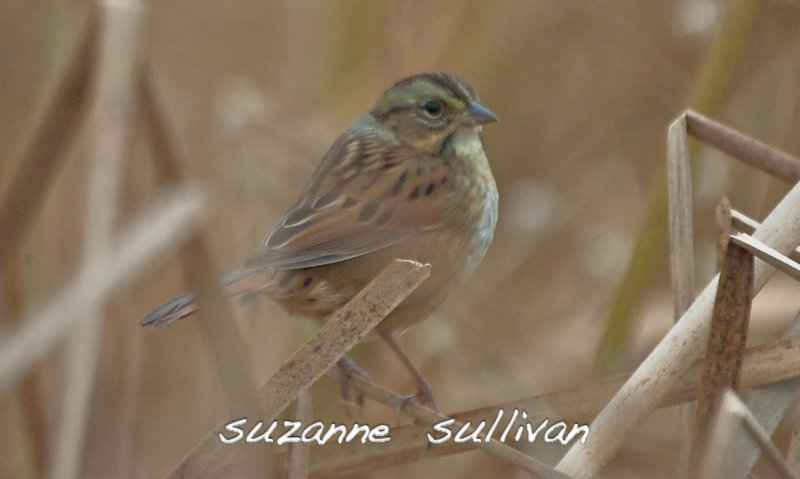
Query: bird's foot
{"points": [[423, 396]]}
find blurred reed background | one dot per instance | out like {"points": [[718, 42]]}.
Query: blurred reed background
{"points": [[259, 89]]}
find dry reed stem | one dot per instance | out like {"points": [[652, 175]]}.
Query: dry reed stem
{"points": [[337, 336], [682, 345], [756, 154], [217, 319], [44, 150], [732, 414], [171, 220], [726, 342], [119, 57], [764, 365], [299, 452]]}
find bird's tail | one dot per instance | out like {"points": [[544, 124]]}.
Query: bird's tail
{"points": [[240, 282]]}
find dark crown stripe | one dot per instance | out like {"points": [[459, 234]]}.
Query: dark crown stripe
{"points": [[453, 84], [456, 86]]}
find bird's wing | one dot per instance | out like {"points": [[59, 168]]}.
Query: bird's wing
{"points": [[368, 193]]}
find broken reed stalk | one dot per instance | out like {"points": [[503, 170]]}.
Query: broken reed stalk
{"points": [[764, 365], [216, 320], [171, 220], [44, 150], [676, 352], [112, 107], [726, 342], [337, 336]]}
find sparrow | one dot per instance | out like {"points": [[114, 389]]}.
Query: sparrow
{"points": [[410, 180]]}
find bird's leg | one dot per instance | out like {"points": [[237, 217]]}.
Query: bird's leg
{"points": [[424, 392], [347, 369]]}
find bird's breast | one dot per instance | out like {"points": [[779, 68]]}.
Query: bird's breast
{"points": [[474, 206]]}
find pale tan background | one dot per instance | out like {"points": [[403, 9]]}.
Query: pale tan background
{"points": [[258, 89]]}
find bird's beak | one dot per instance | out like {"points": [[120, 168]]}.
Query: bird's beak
{"points": [[478, 114]]}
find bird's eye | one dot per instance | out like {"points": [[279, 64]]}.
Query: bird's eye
{"points": [[433, 108]]}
